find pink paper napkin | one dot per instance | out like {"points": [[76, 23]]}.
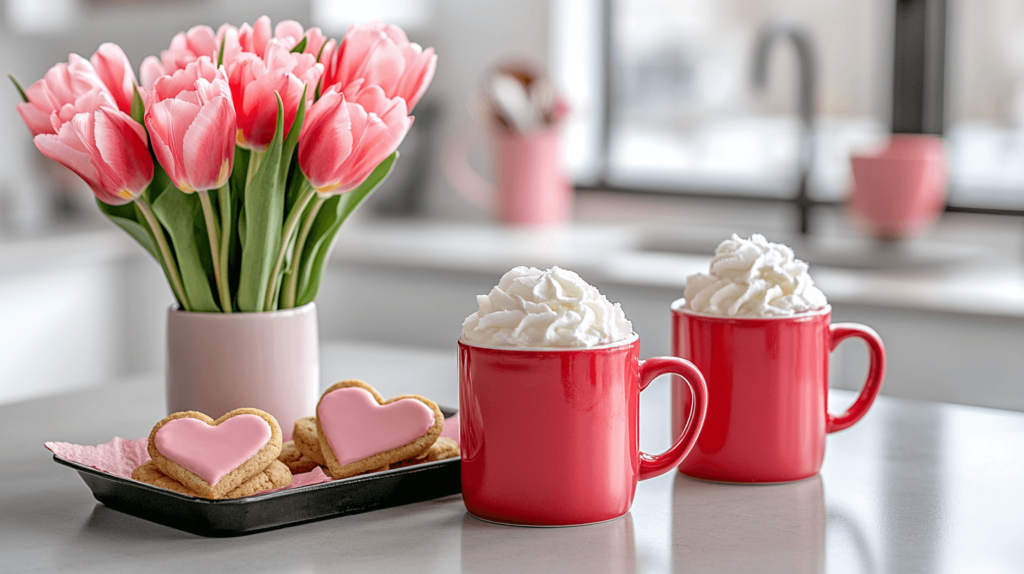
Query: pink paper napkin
{"points": [[120, 457], [451, 427]]}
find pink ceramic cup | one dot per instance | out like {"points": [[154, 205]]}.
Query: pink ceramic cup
{"points": [[901, 190], [531, 188]]}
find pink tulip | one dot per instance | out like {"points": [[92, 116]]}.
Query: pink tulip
{"points": [[106, 148], [255, 80], [186, 47], [341, 142], [61, 87], [382, 55], [290, 33], [254, 39], [114, 69], [192, 126]]}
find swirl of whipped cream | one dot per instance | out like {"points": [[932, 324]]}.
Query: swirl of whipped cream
{"points": [[553, 308], [753, 278]]}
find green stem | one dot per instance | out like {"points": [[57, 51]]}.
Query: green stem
{"points": [[292, 279], [223, 197], [165, 252], [255, 159], [289, 228], [213, 233]]}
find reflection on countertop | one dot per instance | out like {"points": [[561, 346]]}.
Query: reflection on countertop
{"points": [[772, 527]]}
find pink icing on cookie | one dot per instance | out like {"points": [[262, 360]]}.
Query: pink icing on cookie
{"points": [[358, 427], [211, 452]]}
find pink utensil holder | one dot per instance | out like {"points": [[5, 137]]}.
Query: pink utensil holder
{"points": [[531, 188], [901, 190]]}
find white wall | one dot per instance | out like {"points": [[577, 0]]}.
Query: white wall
{"points": [[77, 311]]}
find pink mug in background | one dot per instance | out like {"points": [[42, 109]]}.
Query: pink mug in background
{"points": [[551, 437], [901, 190], [531, 187], [767, 382]]}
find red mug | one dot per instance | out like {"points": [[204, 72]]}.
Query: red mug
{"points": [[767, 381], [551, 437]]}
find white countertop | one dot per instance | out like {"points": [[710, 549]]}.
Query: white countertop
{"points": [[913, 487], [607, 252]]}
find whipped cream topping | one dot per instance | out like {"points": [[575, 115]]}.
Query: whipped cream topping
{"points": [[753, 278], [553, 308]]}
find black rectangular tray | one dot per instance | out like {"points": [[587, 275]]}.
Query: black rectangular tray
{"points": [[262, 512]]}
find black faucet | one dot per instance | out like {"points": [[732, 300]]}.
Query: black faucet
{"points": [[808, 96]]}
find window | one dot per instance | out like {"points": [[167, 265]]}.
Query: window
{"points": [[683, 115]]}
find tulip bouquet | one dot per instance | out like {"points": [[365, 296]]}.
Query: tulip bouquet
{"points": [[242, 151]]}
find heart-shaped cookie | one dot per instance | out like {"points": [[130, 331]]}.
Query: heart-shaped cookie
{"points": [[443, 448], [360, 431], [307, 440], [276, 475], [213, 457]]}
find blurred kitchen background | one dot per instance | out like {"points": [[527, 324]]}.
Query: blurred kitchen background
{"points": [[671, 146]]}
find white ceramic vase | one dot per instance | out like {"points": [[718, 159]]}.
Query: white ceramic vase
{"points": [[217, 362]]}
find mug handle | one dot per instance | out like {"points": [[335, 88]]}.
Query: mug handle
{"points": [[876, 372], [472, 186], [651, 466]]}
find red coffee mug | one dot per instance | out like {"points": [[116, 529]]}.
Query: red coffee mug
{"points": [[550, 437], [767, 380]]}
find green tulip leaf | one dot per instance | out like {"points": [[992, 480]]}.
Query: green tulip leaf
{"points": [[17, 85], [325, 228], [237, 228], [138, 111], [301, 46], [126, 217], [288, 150], [263, 214], [182, 215], [161, 182], [220, 51]]}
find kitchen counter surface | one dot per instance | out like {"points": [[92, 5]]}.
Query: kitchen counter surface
{"points": [[635, 254], [913, 487], [647, 243]]}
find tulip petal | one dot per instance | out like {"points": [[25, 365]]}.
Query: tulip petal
{"points": [[417, 78], [325, 141], [261, 35], [123, 150], [60, 150], [151, 70], [38, 122], [168, 122], [208, 143], [202, 41], [115, 71]]}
